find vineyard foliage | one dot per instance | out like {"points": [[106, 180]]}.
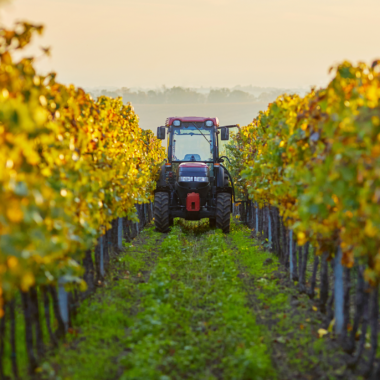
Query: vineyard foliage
{"points": [[317, 158], [68, 166]]}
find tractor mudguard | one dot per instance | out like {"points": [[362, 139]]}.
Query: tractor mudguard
{"points": [[162, 180], [220, 178]]}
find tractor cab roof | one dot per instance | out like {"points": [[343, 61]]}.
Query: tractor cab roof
{"points": [[191, 119]]}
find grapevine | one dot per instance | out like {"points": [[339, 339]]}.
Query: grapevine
{"points": [[68, 166], [317, 159]]}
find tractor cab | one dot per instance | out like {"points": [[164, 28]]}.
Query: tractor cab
{"points": [[193, 183]]}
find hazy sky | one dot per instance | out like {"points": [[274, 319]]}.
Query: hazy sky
{"points": [[281, 43]]}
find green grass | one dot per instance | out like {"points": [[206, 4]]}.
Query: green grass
{"points": [[177, 310], [99, 340], [21, 353], [291, 332], [194, 304], [195, 323]]}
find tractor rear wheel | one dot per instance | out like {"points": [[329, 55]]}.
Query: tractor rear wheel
{"points": [[223, 209], [161, 212]]}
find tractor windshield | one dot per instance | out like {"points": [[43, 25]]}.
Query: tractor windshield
{"points": [[193, 143]]}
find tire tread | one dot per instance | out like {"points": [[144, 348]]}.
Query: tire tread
{"points": [[223, 208], [161, 212]]}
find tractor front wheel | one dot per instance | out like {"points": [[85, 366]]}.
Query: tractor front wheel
{"points": [[161, 212], [223, 209]]}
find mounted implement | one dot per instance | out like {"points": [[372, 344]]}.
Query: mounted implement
{"points": [[193, 182]]}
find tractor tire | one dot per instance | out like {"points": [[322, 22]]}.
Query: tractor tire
{"points": [[161, 212], [223, 209], [212, 222]]}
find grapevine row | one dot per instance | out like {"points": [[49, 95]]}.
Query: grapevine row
{"points": [[310, 166], [69, 165], [317, 159]]}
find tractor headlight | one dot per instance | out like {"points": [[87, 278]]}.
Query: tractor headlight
{"points": [[201, 179], [185, 179]]}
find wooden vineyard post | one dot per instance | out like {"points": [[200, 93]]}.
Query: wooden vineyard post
{"points": [[101, 243], [269, 228], [63, 303], [120, 233], [292, 257], [339, 292]]}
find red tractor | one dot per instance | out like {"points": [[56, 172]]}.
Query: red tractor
{"points": [[193, 183]]}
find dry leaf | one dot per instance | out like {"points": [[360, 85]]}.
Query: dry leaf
{"points": [[322, 332]]}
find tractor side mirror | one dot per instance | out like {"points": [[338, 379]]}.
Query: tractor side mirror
{"points": [[224, 133], [161, 133]]}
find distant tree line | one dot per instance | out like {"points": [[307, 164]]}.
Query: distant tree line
{"points": [[181, 95]]}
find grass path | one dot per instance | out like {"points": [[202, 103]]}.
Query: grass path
{"points": [[195, 323], [194, 304], [98, 343]]}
